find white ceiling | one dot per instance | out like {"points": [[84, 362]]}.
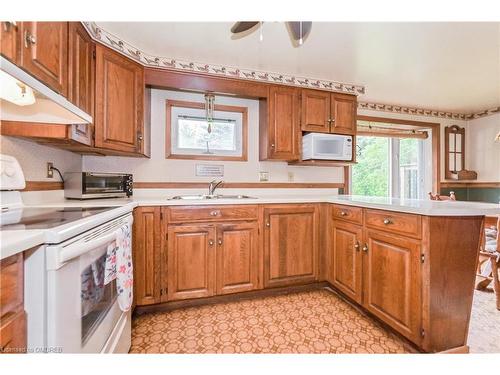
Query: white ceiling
{"points": [[445, 66]]}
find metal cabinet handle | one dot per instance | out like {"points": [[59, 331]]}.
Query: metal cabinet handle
{"points": [[387, 221], [7, 25], [272, 145], [356, 246], [220, 242], [29, 39], [365, 248], [214, 213], [140, 137], [343, 213], [211, 242], [268, 224]]}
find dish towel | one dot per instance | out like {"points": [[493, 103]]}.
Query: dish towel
{"points": [[119, 266]]}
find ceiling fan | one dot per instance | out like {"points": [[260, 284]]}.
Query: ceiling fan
{"points": [[299, 30]]}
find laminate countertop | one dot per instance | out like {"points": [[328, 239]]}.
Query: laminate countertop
{"points": [[12, 242]]}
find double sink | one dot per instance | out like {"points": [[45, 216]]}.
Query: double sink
{"points": [[210, 196]]}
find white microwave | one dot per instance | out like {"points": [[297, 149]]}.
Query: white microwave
{"points": [[326, 147]]}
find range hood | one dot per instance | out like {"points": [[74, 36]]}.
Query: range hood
{"points": [[38, 103]]}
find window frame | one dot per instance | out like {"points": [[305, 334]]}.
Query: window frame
{"points": [[198, 105]]}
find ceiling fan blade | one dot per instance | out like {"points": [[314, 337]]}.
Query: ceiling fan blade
{"points": [[297, 32], [239, 27]]}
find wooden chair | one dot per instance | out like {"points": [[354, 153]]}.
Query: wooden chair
{"points": [[489, 259], [437, 197]]}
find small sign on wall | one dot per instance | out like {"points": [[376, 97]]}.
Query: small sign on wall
{"points": [[210, 170]]}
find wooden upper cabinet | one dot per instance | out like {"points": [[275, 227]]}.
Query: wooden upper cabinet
{"points": [[45, 53], [280, 131], [191, 261], [81, 68], [237, 257], [346, 259], [315, 111], [119, 102], [10, 41], [325, 112], [146, 256], [290, 244], [81, 77], [392, 284], [343, 114]]}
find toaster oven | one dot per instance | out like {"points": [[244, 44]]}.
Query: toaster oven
{"points": [[90, 185]]}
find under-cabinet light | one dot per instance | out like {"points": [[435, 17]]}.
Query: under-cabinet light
{"points": [[15, 91]]}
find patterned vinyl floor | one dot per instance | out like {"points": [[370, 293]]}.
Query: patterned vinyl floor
{"points": [[308, 322]]}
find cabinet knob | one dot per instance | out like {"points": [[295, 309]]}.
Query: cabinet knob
{"points": [[139, 137], [220, 242], [387, 221], [268, 224], [211, 242], [365, 248], [29, 39], [272, 145], [356, 245], [214, 213], [343, 213]]}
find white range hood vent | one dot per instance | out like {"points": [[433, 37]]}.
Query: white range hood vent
{"points": [[49, 106]]}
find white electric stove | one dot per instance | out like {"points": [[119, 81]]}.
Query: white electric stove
{"points": [[69, 309]]}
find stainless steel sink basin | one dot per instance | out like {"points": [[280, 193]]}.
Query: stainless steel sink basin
{"points": [[208, 197]]}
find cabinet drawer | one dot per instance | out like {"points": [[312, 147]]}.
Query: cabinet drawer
{"points": [[211, 213], [348, 213], [11, 284], [395, 222]]}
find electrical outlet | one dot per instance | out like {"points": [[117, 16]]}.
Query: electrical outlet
{"points": [[50, 171]]}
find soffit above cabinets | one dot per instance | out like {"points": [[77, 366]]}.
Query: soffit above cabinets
{"points": [[447, 66]]}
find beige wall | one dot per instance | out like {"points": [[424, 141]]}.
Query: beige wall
{"points": [[34, 157], [160, 169], [482, 152]]}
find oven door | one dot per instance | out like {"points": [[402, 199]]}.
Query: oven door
{"points": [[104, 183], [82, 312]]}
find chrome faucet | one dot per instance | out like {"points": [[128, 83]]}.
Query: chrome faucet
{"points": [[213, 185]]}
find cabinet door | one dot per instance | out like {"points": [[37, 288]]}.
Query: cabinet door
{"points": [[191, 261], [283, 124], [146, 256], [291, 245], [45, 53], [81, 68], [343, 112], [315, 111], [346, 260], [119, 97], [237, 257], [392, 285], [9, 40], [13, 335]]}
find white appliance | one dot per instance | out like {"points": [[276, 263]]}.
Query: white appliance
{"points": [[68, 307], [326, 147]]}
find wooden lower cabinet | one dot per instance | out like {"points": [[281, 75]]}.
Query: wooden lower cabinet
{"points": [[190, 261], [146, 255], [392, 281], [238, 260], [346, 259], [12, 315], [291, 244]]}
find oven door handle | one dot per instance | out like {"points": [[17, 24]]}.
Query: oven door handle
{"points": [[78, 249]]}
